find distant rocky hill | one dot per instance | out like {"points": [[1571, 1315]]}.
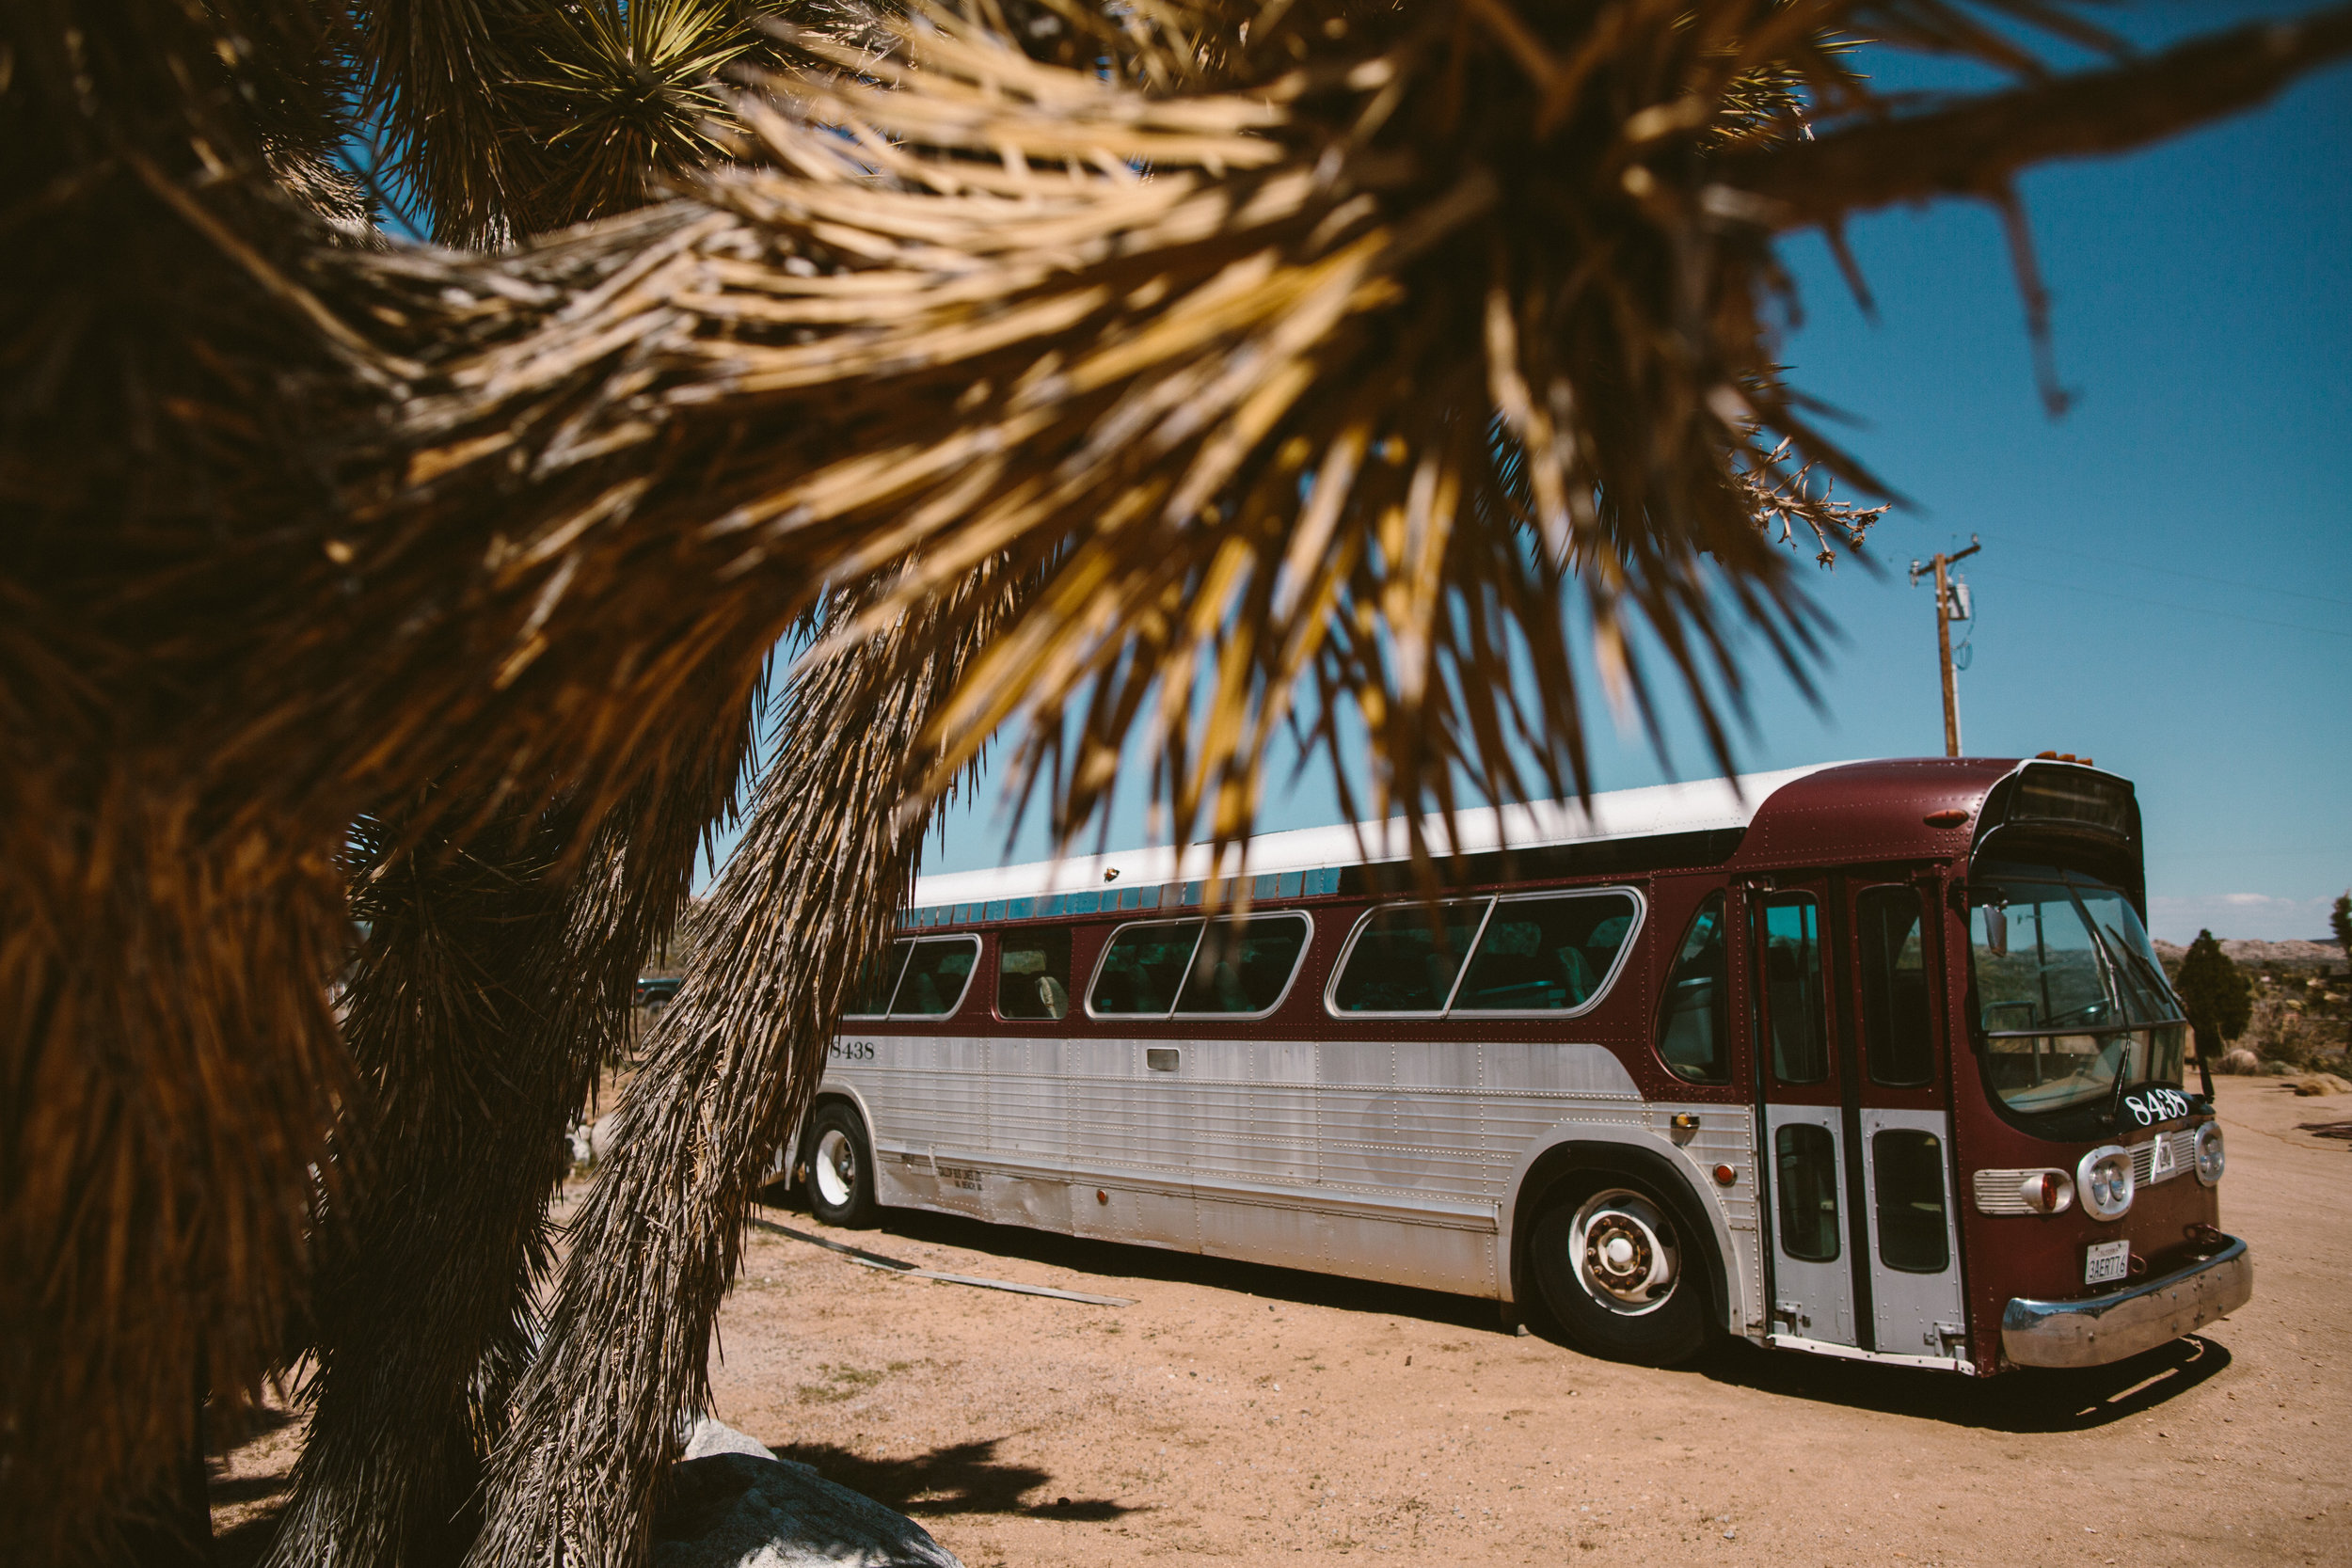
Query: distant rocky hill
{"points": [[2246, 951]]}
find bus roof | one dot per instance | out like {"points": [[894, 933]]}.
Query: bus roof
{"points": [[1288, 863]]}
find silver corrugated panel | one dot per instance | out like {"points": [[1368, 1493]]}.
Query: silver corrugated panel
{"points": [[2184, 1150], [1382, 1160], [2002, 1191]]}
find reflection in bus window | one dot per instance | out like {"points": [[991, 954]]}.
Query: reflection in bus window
{"points": [[936, 974], [1033, 974], [1792, 984], [1243, 966], [1907, 1166], [2068, 991], [1898, 1028], [1805, 1160], [1143, 968], [1693, 1016], [876, 981], [1407, 956], [1546, 954]]}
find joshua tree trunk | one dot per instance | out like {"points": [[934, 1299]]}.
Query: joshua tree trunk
{"points": [[824, 865], [496, 980]]}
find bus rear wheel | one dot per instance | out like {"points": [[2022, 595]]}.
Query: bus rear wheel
{"points": [[840, 1180], [1621, 1275]]}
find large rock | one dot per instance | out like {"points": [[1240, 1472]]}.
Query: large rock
{"points": [[731, 1505]]}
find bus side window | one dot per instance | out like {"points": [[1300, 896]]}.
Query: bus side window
{"points": [[936, 976], [1546, 954], [1406, 961], [1033, 974], [1792, 986], [876, 981], [1693, 1016], [1144, 967], [1243, 966], [1897, 1026]]}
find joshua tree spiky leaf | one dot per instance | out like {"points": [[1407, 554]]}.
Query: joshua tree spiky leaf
{"points": [[300, 529]]}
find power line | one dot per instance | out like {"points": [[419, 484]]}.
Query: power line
{"points": [[2207, 854], [2162, 603], [2169, 572]]}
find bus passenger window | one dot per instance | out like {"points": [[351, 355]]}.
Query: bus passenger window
{"points": [[1243, 966], [1898, 1027], [1792, 989], [1806, 1160], [1144, 967], [1693, 1016], [876, 981], [1546, 954], [1405, 957], [1907, 1169], [1033, 974], [937, 971]]}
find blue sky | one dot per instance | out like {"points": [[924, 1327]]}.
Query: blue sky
{"points": [[2166, 576]]}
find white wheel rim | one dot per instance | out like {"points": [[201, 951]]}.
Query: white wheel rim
{"points": [[1623, 1251], [837, 1168]]}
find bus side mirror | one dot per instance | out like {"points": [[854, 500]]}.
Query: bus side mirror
{"points": [[1995, 930]]}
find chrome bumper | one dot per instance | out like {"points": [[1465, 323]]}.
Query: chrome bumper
{"points": [[2098, 1329]]}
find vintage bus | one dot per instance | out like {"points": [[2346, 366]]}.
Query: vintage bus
{"points": [[1872, 1059]]}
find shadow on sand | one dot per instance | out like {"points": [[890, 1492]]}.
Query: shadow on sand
{"points": [[2030, 1400], [963, 1477], [1116, 1260]]}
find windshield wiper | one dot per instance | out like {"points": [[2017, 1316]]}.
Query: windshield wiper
{"points": [[2128, 961], [2122, 1079]]}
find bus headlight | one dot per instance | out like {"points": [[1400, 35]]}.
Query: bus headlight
{"points": [[2104, 1179], [2212, 1160]]}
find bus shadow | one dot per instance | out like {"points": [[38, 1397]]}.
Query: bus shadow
{"points": [[1126, 1260], [2030, 1400], [963, 1477]]}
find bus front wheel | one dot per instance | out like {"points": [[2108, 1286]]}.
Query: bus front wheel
{"points": [[840, 1180], [1621, 1275]]}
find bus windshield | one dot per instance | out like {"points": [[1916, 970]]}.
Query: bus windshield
{"points": [[2069, 996]]}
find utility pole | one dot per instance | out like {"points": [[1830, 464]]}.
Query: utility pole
{"points": [[1942, 565]]}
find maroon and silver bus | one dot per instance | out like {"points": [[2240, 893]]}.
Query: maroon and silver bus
{"points": [[1872, 1059]]}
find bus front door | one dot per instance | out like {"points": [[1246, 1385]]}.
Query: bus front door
{"points": [[1856, 1133]]}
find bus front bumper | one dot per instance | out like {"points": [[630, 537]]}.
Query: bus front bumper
{"points": [[2100, 1329]]}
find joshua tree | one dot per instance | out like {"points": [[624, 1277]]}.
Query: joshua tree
{"points": [[1193, 370], [2218, 998]]}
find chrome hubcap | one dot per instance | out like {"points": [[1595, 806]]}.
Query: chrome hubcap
{"points": [[835, 1168], [1624, 1252]]}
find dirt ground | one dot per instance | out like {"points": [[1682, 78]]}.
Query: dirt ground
{"points": [[1256, 1414]]}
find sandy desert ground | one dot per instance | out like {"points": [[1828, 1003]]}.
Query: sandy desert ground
{"points": [[1253, 1415]]}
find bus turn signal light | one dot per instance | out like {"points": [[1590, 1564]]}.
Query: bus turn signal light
{"points": [[1951, 818], [2047, 1192], [1726, 1176]]}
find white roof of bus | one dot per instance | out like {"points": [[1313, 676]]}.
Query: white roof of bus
{"points": [[1675, 808]]}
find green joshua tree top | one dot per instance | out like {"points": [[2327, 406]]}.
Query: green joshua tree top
{"points": [[2215, 991]]}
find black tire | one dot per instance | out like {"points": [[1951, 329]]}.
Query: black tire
{"points": [[1605, 1289], [839, 1168]]}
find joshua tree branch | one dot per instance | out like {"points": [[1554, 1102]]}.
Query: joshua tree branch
{"points": [[1976, 147]]}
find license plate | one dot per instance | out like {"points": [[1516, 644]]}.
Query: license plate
{"points": [[2106, 1261]]}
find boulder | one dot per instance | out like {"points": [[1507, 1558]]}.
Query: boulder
{"points": [[2240, 1060], [708, 1436], [731, 1505], [2320, 1082], [593, 1140]]}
